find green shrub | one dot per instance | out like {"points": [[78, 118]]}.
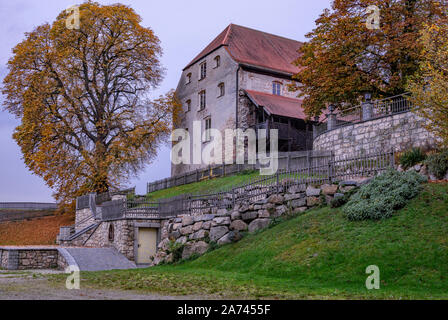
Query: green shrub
{"points": [[438, 164], [384, 194], [412, 157], [176, 249], [338, 202]]}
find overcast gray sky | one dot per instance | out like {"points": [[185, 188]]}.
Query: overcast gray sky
{"points": [[184, 28]]}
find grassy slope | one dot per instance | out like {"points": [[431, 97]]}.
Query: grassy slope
{"points": [[317, 255], [40, 231], [206, 186]]}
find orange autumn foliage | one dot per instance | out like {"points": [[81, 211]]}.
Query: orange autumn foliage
{"points": [[344, 58], [40, 231], [88, 122]]}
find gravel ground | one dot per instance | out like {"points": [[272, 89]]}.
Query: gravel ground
{"points": [[33, 285]]}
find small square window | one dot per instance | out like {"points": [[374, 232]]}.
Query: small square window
{"points": [[188, 78], [188, 105]]}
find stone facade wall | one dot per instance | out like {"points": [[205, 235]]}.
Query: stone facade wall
{"points": [[123, 239], [83, 219], [398, 132], [195, 232], [221, 109]]}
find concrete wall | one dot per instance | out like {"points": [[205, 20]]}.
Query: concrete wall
{"points": [[398, 132]]}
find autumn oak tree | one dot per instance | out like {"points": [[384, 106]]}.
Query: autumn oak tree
{"points": [[429, 87], [88, 122], [344, 58]]}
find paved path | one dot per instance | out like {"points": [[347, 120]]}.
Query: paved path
{"points": [[97, 259], [33, 285]]}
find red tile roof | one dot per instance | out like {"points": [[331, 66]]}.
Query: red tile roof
{"points": [[257, 48], [278, 105]]}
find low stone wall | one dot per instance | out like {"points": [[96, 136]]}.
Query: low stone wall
{"points": [[397, 132], [27, 258], [195, 233]]}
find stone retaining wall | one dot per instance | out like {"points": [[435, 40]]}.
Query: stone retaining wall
{"points": [[398, 132], [26, 258], [195, 233]]}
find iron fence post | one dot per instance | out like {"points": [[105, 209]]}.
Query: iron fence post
{"points": [[278, 185]]}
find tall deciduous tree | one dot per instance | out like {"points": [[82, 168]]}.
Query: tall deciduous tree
{"points": [[344, 57], [83, 97], [429, 87]]}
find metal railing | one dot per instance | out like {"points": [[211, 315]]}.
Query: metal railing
{"points": [[379, 108], [286, 161], [331, 170]]}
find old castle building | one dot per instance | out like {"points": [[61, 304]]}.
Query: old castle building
{"points": [[240, 80]]}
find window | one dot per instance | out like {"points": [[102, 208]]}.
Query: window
{"points": [[208, 126], [188, 105], [188, 78], [202, 100], [221, 89], [217, 61], [203, 71], [111, 233], [277, 88]]}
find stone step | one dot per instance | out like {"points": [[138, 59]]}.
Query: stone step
{"points": [[98, 259]]}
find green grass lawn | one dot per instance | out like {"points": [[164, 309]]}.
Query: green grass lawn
{"points": [[205, 186], [317, 255]]}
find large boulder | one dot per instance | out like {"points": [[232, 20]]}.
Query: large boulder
{"points": [[221, 221], [164, 245], [204, 217], [276, 199], [298, 203], [221, 212], [182, 240], [312, 201], [187, 220], [258, 225], [218, 232], [295, 196], [201, 234], [229, 238], [235, 215], [238, 225], [263, 214], [251, 215], [186, 230], [312, 192], [207, 225], [198, 248], [329, 189], [197, 226]]}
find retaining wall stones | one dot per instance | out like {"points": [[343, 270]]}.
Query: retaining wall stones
{"points": [[398, 132], [26, 258], [195, 233]]}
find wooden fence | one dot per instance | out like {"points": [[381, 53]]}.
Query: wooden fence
{"points": [[286, 161]]}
